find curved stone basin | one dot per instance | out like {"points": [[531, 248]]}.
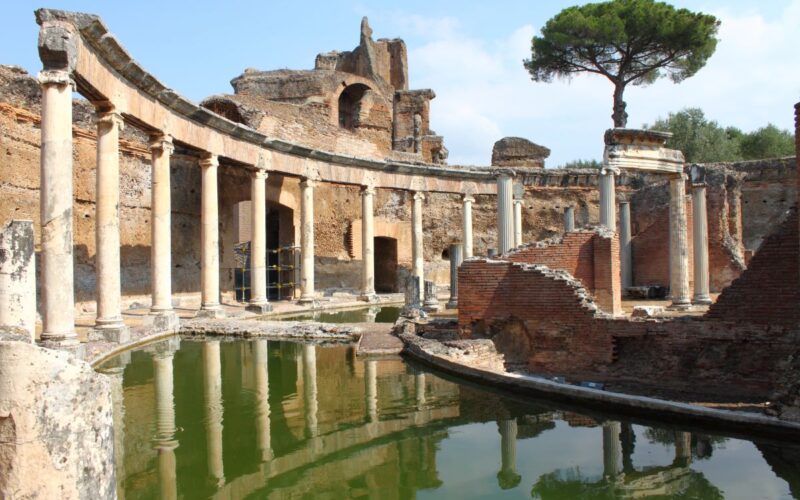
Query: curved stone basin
{"points": [[269, 419]]}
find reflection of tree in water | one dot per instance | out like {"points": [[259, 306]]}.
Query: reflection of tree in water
{"points": [[702, 444]]}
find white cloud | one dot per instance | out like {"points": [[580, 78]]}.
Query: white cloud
{"points": [[484, 93]]}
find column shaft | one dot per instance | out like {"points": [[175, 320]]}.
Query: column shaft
{"points": [[417, 250], [368, 243], [307, 240], [467, 226], [612, 449], [213, 398], [263, 427], [371, 382], [160, 208], [608, 215], [259, 301], [517, 222], [625, 254], [700, 240], [678, 239], [55, 197], [569, 219], [209, 238], [505, 228], [310, 388], [165, 442], [455, 261], [107, 241]]}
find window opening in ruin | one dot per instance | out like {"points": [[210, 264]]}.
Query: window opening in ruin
{"points": [[350, 105], [385, 265], [446, 254]]}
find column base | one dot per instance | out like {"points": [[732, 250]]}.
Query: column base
{"points": [[259, 308], [370, 298], [70, 345], [113, 331], [211, 312], [307, 300], [163, 321], [702, 300], [451, 304], [679, 306]]}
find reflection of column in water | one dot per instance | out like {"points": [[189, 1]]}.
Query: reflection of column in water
{"points": [[214, 409], [371, 382], [419, 388], [262, 391], [611, 449], [507, 477], [115, 374], [371, 314], [683, 448], [165, 442], [310, 388]]}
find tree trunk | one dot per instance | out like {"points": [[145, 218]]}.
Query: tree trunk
{"points": [[620, 117]]}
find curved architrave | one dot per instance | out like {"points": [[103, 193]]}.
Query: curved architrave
{"points": [[105, 71]]}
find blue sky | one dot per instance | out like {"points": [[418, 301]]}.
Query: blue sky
{"points": [[469, 53]]}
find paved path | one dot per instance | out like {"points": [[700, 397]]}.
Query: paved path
{"points": [[377, 340]]}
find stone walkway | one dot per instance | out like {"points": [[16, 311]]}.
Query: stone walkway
{"points": [[377, 340]]}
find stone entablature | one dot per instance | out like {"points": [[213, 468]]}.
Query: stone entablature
{"points": [[641, 150]]}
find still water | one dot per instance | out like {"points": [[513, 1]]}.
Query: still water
{"points": [[269, 419], [373, 314]]}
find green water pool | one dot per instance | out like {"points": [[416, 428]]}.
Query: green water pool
{"points": [[374, 314], [267, 419]]}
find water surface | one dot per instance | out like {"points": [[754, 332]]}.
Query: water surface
{"points": [[373, 314], [266, 419]]}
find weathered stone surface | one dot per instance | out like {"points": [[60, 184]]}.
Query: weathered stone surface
{"points": [[518, 152], [56, 426], [647, 311], [17, 277]]}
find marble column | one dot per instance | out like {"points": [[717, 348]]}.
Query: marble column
{"points": [[508, 477], [700, 241], [109, 310], [455, 261], [608, 215], [467, 201], [209, 239], [368, 243], [263, 427], [417, 251], [569, 219], [517, 222], [505, 222], [371, 382], [679, 244], [612, 450], [307, 241], [310, 388], [165, 442], [625, 254], [212, 386], [259, 299], [164, 317], [55, 198]]}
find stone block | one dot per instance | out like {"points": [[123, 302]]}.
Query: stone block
{"points": [[17, 277], [647, 311]]}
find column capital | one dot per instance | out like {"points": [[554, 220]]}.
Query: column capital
{"points": [[606, 170], [368, 189], [56, 77], [517, 201], [504, 172], [162, 142], [467, 198], [259, 174], [308, 182], [109, 118], [208, 160], [419, 195]]}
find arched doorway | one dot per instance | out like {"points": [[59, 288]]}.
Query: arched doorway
{"points": [[350, 105], [385, 265]]}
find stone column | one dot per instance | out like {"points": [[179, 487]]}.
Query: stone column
{"points": [[368, 243], [679, 244], [209, 239], [517, 222], [608, 215], [161, 245], [165, 442], [625, 254], [371, 376], [259, 301], [419, 388], [569, 219], [467, 225], [505, 227], [109, 311], [55, 198], [700, 240], [212, 385], [455, 261], [307, 241], [310, 388], [508, 477], [263, 427], [417, 251], [612, 450], [115, 370]]}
